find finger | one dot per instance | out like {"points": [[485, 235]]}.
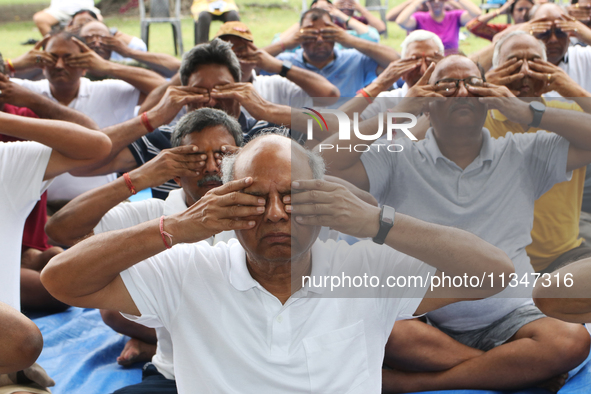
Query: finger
{"points": [[230, 149], [185, 149], [509, 79], [233, 186], [542, 66], [314, 184], [318, 220], [232, 224], [3, 78], [81, 45], [311, 196], [509, 68], [486, 91], [226, 95], [241, 211], [190, 89], [236, 198], [42, 43], [539, 76], [424, 80]]}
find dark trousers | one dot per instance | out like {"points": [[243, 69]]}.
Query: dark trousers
{"points": [[153, 382], [204, 20]]}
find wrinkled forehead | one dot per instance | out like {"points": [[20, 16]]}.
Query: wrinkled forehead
{"points": [[458, 67], [422, 48], [521, 45], [61, 44]]}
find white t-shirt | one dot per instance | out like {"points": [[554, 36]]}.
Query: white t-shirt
{"points": [[577, 64], [136, 44], [22, 167], [72, 6], [127, 215], [223, 323], [280, 90], [382, 102], [108, 102]]}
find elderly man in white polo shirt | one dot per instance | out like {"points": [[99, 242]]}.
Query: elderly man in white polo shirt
{"points": [[246, 306], [460, 176]]}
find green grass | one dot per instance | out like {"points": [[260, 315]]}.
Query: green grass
{"points": [[264, 23]]}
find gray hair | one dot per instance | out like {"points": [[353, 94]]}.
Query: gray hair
{"points": [[197, 120], [214, 52], [499, 44], [421, 35], [315, 161]]}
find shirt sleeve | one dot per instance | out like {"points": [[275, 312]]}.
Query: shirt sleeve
{"points": [[129, 214], [157, 284], [22, 168], [546, 155]]}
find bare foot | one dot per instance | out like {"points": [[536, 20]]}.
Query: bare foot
{"points": [[554, 384], [136, 351]]}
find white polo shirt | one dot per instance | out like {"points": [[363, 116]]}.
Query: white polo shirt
{"points": [[384, 101], [577, 64], [231, 335], [127, 215], [22, 167], [280, 90], [108, 102]]}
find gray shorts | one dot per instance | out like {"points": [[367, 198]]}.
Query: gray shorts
{"points": [[497, 332]]}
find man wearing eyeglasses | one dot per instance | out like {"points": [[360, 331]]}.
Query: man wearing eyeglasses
{"points": [[462, 177]]}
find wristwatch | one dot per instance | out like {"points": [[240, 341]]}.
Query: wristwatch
{"points": [[538, 110], [285, 67], [386, 223]]}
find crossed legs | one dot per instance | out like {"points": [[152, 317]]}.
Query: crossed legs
{"points": [[425, 358]]}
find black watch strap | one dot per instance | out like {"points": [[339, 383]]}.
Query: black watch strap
{"points": [[386, 223], [285, 67]]}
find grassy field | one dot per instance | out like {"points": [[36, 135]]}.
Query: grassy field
{"points": [[264, 23]]}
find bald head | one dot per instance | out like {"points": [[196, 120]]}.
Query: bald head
{"points": [[93, 33], [549, 11], [454, 65]]}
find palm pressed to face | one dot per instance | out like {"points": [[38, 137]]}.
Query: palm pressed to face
{"points": [[273, 164], [427, 51], [525, 48], [60, 75], [207, 76], [318, 50]]}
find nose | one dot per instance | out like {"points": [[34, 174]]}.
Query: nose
{"points": [[524, 67], [424, 66], [275, 211], [462, 91], [211, 166], [59, 63]]}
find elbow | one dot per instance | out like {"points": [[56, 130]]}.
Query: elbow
{"points": [[551, 307], [52, 279], [103, 147], [56, 231]]}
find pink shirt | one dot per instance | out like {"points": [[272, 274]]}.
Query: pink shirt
{"points": [[448, 29]]}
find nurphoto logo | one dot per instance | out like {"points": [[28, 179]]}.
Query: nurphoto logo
{"points": [[394, 121]]}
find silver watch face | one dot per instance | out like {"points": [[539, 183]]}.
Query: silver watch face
{"points": [[388, 215], [538, 106]]}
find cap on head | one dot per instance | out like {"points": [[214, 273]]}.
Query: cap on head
{"points": [[235, 28]]}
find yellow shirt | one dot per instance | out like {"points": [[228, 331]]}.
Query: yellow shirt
{"points": [[215, 7], [557, 212]]}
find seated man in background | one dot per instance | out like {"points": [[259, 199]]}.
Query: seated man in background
{"points": [[294, 86], [348, 69], [98, 37], [520, 64], [26, 168], [419, 49], [107, 102], [224, 297], [460, 176], [193, 163]]}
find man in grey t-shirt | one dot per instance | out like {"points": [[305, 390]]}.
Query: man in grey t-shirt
{"points": [[461, 177]]}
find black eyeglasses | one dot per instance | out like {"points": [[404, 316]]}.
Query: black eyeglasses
{"points": [[470, 81], [548, 33]]}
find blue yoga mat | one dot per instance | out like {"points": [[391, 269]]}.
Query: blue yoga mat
{"points": [[80, 354]]}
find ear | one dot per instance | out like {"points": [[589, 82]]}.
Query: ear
{"points": [[178, 181]]}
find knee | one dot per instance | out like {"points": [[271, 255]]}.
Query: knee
{"points": [[572, 344], [41, 18], [204, 17], [29, 342], [111, 319]]}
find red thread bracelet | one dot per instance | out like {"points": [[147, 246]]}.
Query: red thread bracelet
{"points": [[364, 93], [129, 184], [146, 122], [164, 233], [282, 46]]}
